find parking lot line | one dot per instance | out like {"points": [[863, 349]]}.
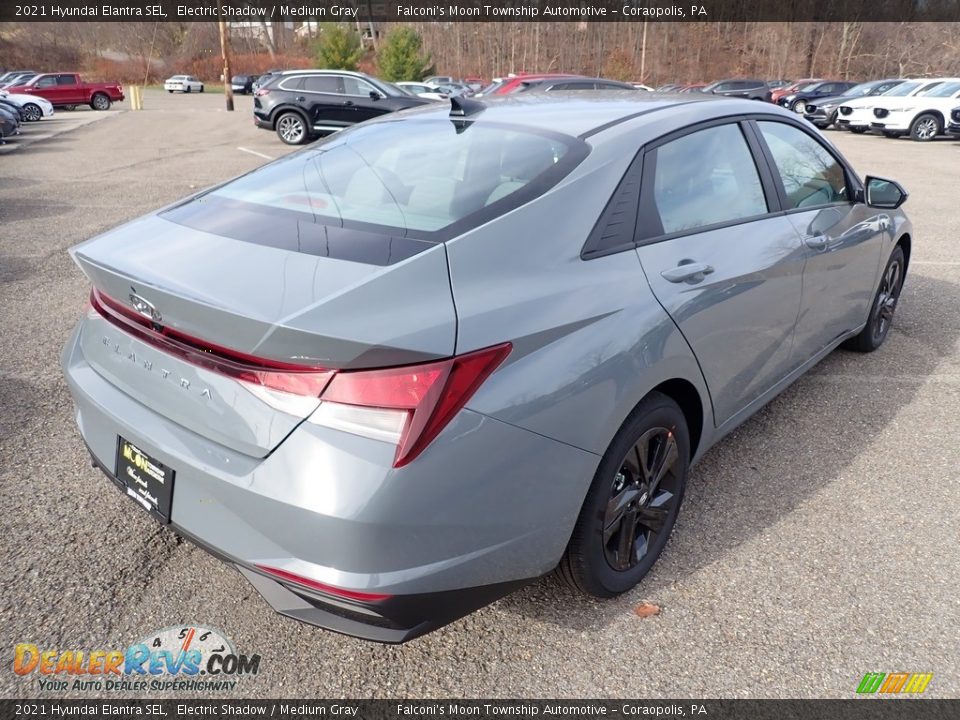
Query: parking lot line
{"points": [[254, 152]]}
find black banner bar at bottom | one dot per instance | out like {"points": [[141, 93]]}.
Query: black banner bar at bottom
{"points": [[864, 708]]}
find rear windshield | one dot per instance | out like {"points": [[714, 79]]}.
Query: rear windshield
{"points": [[421, 176], [359, 193]]}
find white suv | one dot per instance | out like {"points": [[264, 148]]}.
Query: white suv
{"points": [[923, 117], [857, 115]]}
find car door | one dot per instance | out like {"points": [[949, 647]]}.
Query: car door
{"points": [[47, 85], [358, 94], [68, 89], [721, 259], [322, 97], [842, 238]]}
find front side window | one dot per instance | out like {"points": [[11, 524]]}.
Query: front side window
{"points": [[705, 178], [357, 87], [46, 82], [811, 175]]}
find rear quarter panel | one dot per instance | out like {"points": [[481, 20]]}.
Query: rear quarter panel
{"points": [[590, 340]]}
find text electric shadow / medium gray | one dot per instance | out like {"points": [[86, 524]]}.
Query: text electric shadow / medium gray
{"points": [[397, 374]]}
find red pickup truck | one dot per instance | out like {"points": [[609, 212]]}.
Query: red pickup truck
{"points": [[64, 89]]}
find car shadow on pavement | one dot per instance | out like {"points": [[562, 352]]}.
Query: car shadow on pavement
{"points": [[758, 475]]}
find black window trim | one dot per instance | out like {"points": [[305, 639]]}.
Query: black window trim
{"points": [[773, 189]]}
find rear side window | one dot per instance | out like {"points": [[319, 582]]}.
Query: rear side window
{"points": [[705, 178], [811, 175], [66, 80], [323, 84]]}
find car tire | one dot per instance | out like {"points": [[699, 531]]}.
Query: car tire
{"points": [[925, 127], [32, 112], [858, 130], [70, 108], [100, 102], [883, 307], [891, 134], [627, 504], [201, 88], [832, 120], [186, 89], [170, 91], [292, 128], [798, 106]]}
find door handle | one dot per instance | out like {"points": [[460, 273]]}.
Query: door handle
{"points": [[817, 242], [348, 103], [687, 272], [301, 99]]}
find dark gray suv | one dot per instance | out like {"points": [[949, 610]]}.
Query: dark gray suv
{"points": [[303, 104]]}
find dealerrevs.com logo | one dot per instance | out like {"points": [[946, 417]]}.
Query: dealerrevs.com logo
{"points": [[186, 657]]}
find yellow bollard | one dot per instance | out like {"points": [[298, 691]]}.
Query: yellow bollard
{"points": [[136, 97]]}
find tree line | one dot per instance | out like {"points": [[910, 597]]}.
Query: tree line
{"points": [[648, 52]]}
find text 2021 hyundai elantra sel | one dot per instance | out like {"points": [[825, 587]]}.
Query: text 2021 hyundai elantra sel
{"points": [[397, 374]]}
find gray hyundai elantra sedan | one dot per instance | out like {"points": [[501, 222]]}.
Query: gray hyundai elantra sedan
{"points": [[397, 374]]}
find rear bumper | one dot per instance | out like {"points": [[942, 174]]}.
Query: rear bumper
{"points": [[485, 508], [394, 620], [262, 121]]}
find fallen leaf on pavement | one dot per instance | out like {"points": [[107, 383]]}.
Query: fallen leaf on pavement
{"points": [[646, 610]]}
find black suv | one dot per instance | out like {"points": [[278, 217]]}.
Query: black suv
{"points": [[750, 89], [302, 104]]}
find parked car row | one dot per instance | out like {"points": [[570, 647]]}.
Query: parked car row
{"points": [[59, 89], [17, 108], [895, 107]]}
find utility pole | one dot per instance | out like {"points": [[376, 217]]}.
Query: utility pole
{"points": [[225, 54]]}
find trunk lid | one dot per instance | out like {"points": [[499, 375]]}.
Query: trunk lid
{"points": [[290, 297]]}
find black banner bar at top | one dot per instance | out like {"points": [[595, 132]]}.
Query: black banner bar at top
{"points": [[872, 708], [482, 10]]}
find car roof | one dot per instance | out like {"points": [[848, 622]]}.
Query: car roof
{"points": [[312, 71], [584, 115]]}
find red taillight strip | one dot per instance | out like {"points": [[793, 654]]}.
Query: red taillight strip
{"points": [[274, 374], [323, 587]]}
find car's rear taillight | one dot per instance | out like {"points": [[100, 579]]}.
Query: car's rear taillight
{"points": [[271, 375], [408, 406]]}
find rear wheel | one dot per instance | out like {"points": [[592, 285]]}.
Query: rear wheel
{"points": [[884, 305], [32, 112], [201, 88], [925, 128], [858, 130], [186, 89], [292, 128], [633, 502], [100, 102]]}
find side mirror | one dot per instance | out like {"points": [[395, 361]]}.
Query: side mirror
{"points": [[374, 95], [886, 194]]}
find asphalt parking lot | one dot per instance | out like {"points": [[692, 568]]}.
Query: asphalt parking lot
{"points": [[817, 543]]}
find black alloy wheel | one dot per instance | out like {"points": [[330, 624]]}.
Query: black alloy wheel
{"points": [[633, 501], [643, 495]]}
